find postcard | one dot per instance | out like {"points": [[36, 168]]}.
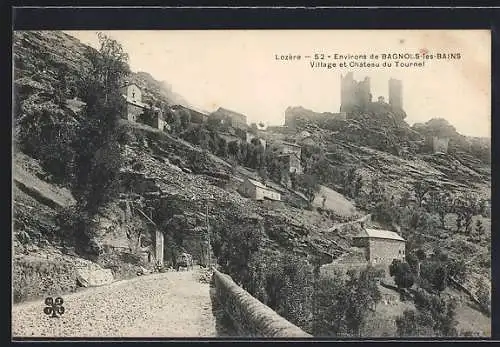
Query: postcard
{"points": [[251, 183]]}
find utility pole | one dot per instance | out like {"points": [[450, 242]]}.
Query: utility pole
{"points": [[208, 234]]}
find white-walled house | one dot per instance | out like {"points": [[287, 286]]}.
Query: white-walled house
{"points": [[258, 191]]}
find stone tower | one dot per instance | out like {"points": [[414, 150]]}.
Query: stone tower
{"points": [[396, 94], [353, 93]]}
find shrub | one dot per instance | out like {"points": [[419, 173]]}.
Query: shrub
{"points": [[285, 284], [234, 243], [342, 306], [483, 296], [403, 276], [36, 277]]}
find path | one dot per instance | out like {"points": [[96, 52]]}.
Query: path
{"points": [[172, 304]]}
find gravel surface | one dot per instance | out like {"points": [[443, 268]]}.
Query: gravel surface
{"points": [[172, 304]]}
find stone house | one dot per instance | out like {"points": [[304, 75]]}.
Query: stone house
{"points": [[381, 246], [132, 95], [234, 119], [287, 148], [195, 115], [258, 191], [290, 154], [292, 163]]}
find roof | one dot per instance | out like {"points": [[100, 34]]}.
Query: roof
{"points": [[290, 144], [225, 110], [257, 183], [136, 103], [190, 108], [130, 84], [229, 138], [379, 234]]}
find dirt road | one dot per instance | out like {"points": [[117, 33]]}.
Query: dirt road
{"points": [[172, 304]]}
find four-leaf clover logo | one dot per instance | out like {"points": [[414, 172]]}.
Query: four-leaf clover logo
{"points": [[54, 307]]}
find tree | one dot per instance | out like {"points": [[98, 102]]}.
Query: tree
{"points": [[436, 312], [456, 269], [364, 295], [420, 253], [223, 148], [405, 199], [466, 206], [46, 132], [377, 192], [348, 180], [479, 228], [434, 274], [434, 316], [97, 144], [344, 306], [233, 149], [309, 185], [403, 277], [234, 245], [440, 279], [413, 324], [440, 203], [172, 119], [61, 87], [459, 221], [358, 184], [420, 188], [483, 208], [331, 298], [415, 260]]}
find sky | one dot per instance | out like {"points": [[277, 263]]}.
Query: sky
{"points": [[238, 70]]}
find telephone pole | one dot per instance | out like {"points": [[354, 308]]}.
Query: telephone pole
{"points": [[209, 256]]}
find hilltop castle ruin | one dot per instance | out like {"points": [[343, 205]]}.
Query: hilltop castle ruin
{"points": [[357, 95]]}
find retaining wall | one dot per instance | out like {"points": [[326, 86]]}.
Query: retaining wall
{"points": [[250, 316]]}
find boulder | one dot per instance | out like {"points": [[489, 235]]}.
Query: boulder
{"points": [[94, 277]]}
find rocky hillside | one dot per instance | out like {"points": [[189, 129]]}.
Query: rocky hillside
{"points": [[396, 153], [45, 59]]}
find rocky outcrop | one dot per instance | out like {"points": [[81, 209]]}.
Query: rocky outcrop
{"points": [[250, 316]]}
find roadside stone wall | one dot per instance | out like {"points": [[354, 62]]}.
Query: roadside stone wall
{"points": [[250, 316]]}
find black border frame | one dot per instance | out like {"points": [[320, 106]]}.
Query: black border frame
{"points": [[310, 17]]}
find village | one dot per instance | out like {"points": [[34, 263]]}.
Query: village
{"points": [[380, 247]]}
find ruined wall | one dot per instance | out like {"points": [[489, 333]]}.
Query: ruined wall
{"points": [[440, 144], [250, 316]]}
